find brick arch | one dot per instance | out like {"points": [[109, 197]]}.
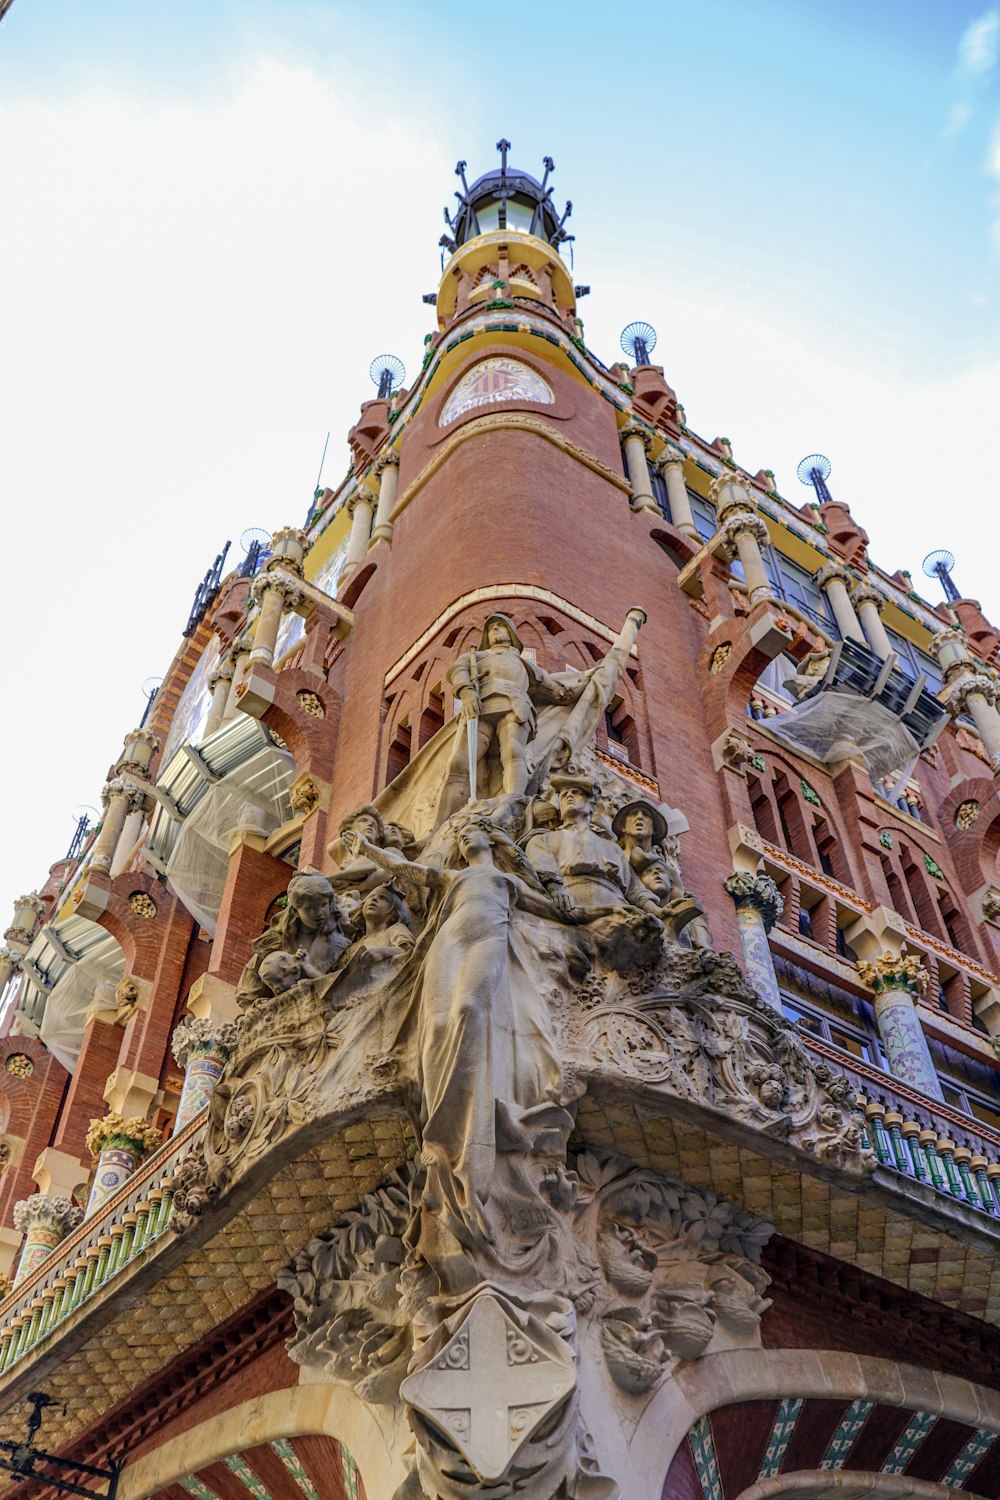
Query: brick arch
{"points": [[726, 693], [324, 1411], [312, 742], [974, 850], [140, 938]]}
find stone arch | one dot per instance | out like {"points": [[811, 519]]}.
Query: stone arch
{"points": [[846, 1484], [735, 1376], [314, 1409]]}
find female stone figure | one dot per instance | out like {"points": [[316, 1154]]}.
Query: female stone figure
{"points": [[486, 1064], [309, 929]]}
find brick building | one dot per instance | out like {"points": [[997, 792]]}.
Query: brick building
{"points": [[813, 742]]}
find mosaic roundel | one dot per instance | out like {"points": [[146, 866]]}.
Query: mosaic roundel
{"points": [[493, 381]]}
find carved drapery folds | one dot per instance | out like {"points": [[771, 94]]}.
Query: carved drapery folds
{"points": [[532, 944]]}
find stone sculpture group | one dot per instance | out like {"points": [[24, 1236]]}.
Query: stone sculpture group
{"points": [[535, 949]]}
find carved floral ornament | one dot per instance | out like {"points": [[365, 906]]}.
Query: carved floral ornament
{"points": [[19, 1065], [136, 1135], [202, 1035], [144, 906], [967, 813], [977, 684], [51, 1215], [758, 892], [499, 941], [892, 971]]}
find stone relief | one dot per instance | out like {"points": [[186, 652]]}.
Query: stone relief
{"points": [[508, 930], [653, 1272]]}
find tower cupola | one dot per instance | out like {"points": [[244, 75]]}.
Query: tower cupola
{"points": [[506, 200]]}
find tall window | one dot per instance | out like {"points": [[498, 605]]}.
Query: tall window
{"points": [[915, 662]]}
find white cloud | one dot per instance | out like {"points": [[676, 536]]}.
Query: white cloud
{"points": [[977, 47], [958, 117]]}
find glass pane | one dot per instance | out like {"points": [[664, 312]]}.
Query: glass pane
{"points": [[853, 1044], [985, 1112]]}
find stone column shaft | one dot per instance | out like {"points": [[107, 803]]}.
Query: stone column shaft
{"points": [[987, 721], [833, 580], [362, 504], [115, 814], [681, 514], [759, 904], [638, 469], [127, 840], [387, 491], [265, 636], [749, 553], [871, 622], [239, 657], [220, 682]]}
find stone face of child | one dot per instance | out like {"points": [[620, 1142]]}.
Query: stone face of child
{"points": [[279, 971]]}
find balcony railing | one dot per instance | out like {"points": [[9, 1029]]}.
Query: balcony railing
{"points": [[921, 1139], [96, 1252]]}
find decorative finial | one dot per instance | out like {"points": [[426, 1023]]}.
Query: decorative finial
{"points": [[815, 470], [638, 340], [387, 372], [939, 565]]}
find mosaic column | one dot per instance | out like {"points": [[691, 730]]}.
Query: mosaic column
{"points": [[834, 579], [202, 1048], [671, 466], [869, 603], [636, 441], [388, 468], [274, 594], [118, 1146], [44, 1222], [759, 904], [899, 979]]}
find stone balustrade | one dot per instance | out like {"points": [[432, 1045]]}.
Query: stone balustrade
{"points": [[921, 1139], [96, 1252]]}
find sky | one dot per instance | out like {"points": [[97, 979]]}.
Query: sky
{"points": [[215, 213]]}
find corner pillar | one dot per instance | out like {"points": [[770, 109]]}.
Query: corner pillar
{"points": [[758, 904], [274, 594], [220, 682], [742, 533]]}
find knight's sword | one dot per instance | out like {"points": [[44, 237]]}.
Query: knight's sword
{"points": [[472, 729]]}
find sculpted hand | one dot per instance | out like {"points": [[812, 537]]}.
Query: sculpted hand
{"points": [[352, 840], [470, 707], [561, 901]]}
